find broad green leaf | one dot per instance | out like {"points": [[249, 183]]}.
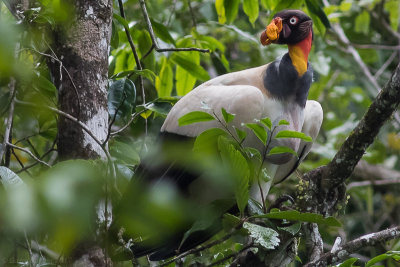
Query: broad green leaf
{"points": [[211, 42], [236, 162], [194, 117], [219, 7], [348, 263], [293, 134], [392, 7], [162, 32], [8, 178], [164, 82], [315, 7], [122, 21], [286, 4], [250, 7], [362, 22], [281, 149], [294, 215], [292, 229], [121, 97], [114, 36], [230, 221], [185, 81], [267, 122], [192, 67], [124, 153], [207, 141], [252, 152], [241, 134], [266, 237], [228, 117], [160, 107], [283, 122], [259, 131], [231, 9], [44, 85], [388, 255]]}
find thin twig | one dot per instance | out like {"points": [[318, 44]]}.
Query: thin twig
{"points": [[385, 65], [42, 157], [376, 46], [192, 13], [373, 183], [113, 120], [81, 124], [200, 248], [232, 255], [133, 117], [9, 119], [153, 37], [29, 153], [62, 67]]}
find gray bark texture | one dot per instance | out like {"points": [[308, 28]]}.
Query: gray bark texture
{"points": [[83, 46]]}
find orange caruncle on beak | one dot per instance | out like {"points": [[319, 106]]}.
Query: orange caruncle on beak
{"points": [[272, 31]]}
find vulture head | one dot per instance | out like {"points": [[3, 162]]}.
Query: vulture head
{"points": [[287, 27]]}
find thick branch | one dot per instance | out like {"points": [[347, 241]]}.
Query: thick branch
{"points": [[342, 252], [363, 135]]}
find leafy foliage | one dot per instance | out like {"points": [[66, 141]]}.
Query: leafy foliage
{"points": [[55, 207]]}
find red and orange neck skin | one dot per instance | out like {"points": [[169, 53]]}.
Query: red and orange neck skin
{"points": [[299, 54]]}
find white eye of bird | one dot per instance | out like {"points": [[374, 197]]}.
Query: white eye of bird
{"points": [[293, 20]]}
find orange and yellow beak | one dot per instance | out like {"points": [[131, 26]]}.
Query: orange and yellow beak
{"points": [[271, 34]]}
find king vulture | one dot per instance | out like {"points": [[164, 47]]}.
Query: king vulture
{"points": [[277, 90]]}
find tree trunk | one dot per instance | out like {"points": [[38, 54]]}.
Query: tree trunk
{"points": [[83, 48]]}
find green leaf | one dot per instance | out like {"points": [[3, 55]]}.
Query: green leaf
{"points": [[194, 117], [251, 8], [192, 67], [283, 122], [185, 81], [252, 152], [388, 255], [362, 22], [241, 134], [228, 117], [164, 82], [237, 163], [292, 229], [114, 36], [392, 7], [230, 221], [281, 149], [259, 131], [231, 9], [162, 32], [266, 237], [124, 153], [348, 263], [210, 42], [122, 21], [207, 141], [315, 7], [219, 7], [267, 122], [294, 215], [293, 134], [121, 97], [160, 107], [9, 179], [145, 73]]}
